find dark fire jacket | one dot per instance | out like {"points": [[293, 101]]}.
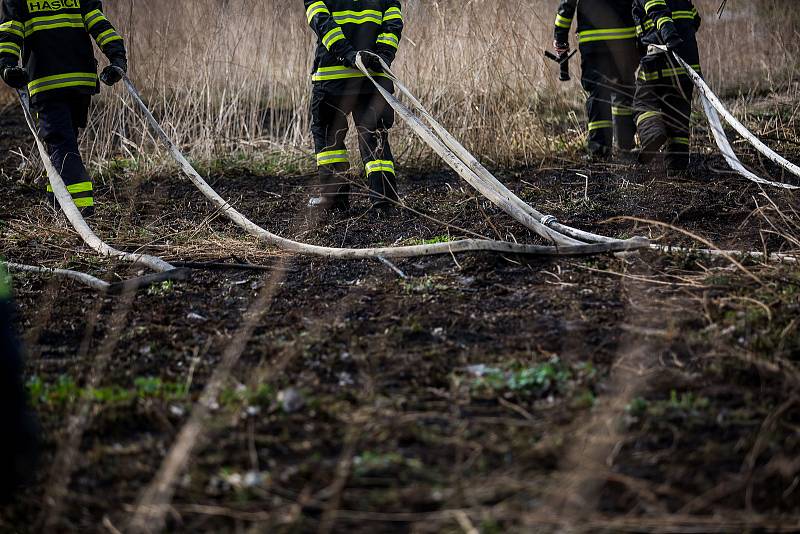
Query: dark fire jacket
{"points": [[52, 38], [345, 25], [601, 24]]}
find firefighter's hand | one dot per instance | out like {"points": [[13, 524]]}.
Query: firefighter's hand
{"points": [[670, 35], [15, 77], [110, 74], [349, 59], [372, 62], [560, 48]]}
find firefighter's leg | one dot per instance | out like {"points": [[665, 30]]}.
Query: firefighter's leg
{"points": [[648, 104], [373, 118], [678, 111], [329, 129], [598, 105], [626, 60], [59, 121]]}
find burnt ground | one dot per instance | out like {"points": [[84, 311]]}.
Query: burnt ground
{"points": [[481, 393]]}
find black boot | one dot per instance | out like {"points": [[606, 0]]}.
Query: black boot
{"points": [[383, 190]]}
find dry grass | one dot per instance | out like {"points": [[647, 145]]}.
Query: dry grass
{"points": [[232, 77]]}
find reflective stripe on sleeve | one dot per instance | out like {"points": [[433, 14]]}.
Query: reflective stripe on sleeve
{"points": [[13, 27], [10, 48], [388, 39], [108, 36], [315, 9], [332, 37], [393, 13], [652, 3], [93, 17], [563, 22]]}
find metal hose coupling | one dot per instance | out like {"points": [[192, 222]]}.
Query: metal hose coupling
{"points": [[547, 220]]}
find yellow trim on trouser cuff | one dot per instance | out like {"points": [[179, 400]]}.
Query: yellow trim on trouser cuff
{"points": [[680, 140], [332, 156], [74, 189], [619, 111], [84, 202], [5, 283], [647, 115], [599, 125], [380, 166]]}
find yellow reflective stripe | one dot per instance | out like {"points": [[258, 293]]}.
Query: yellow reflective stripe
{"points": [[64, 20], [647, 115], [332, 37], [388, 39], [620, 111], [107, 36], [315, 9], [600, 125], [682, 15], [610, 34], [653, 3], [13, 27], [649, 76], [358, 17], [661, 21], [10, 48], [380, 165], [563, 22], [340, 73], [93, 17], [680, 140], [60, 81], [84, 202], [74, 189], [332, 156], [393, 13]]}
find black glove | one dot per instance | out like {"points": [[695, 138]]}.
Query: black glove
{"points": [[670, 36], [387, 57], [372, 62], [15, 77], [110, 74], [349, 59]]}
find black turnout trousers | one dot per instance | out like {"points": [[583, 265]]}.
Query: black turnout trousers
{"points": [[608, 75], [59, 122], [373, 118], [663, 103]]}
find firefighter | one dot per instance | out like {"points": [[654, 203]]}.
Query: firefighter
{"points": [[52, 38], [609, 58], [19, 445], [344, 27], [664, 91]]}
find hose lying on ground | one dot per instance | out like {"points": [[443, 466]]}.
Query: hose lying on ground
{"points": [[574, 248], [83, 278], [478, 176], [714, 108], [71, 211]]}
